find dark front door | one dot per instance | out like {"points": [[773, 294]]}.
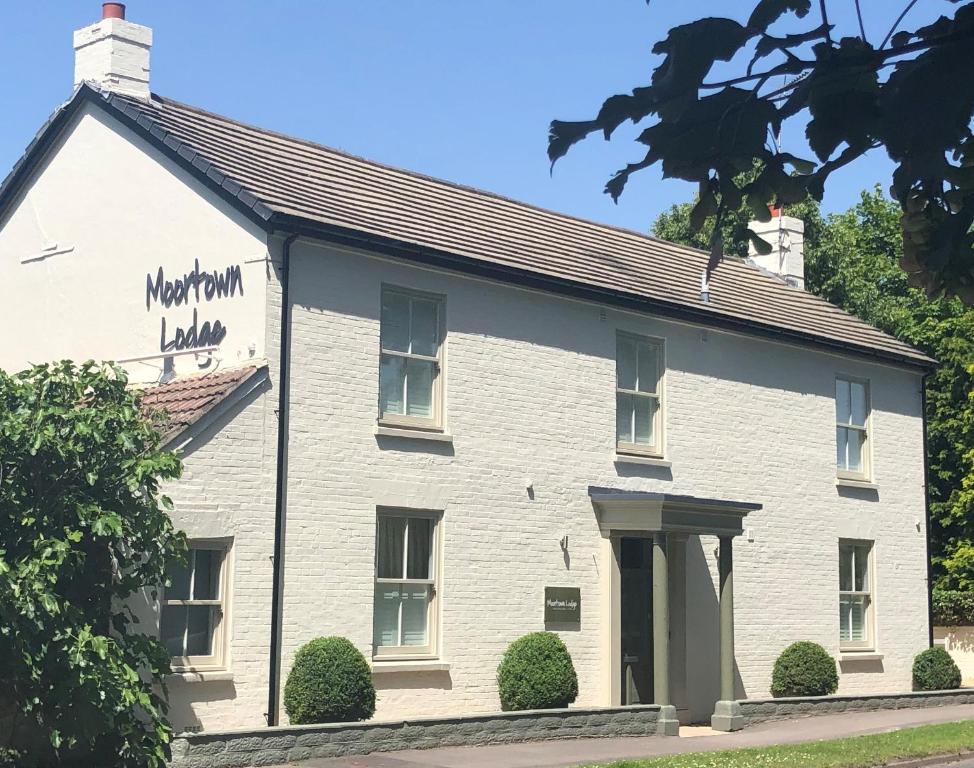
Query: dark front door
{"points": [[636, 567]]}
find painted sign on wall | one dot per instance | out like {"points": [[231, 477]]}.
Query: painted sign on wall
{"points": [[562, 605], [192, 287]]}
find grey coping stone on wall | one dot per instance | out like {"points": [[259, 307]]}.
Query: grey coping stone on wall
{"points": [[250, 748], [763, 710]]}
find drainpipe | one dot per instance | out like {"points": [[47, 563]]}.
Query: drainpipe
{"points": [[926, 507], [280, 502]]}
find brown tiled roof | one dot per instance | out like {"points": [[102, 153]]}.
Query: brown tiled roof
{"points": [[289, 185], [183, 401]]}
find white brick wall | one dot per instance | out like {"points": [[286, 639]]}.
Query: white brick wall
{"points": [[530, 395]]}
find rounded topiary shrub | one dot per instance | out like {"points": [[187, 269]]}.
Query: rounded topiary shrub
{"points": [[537, 673], [804, 669], [330, 682], [935, 670]]}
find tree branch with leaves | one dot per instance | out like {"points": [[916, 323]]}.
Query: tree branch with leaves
{"points": [[909, 95]]}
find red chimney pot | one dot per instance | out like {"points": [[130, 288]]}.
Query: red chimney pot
{"points": [[113, 10]]}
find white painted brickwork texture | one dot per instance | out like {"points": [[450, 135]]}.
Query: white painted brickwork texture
{"points": [[530, 395], [227, 491]]}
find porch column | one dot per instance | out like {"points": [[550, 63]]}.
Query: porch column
{"points": [[727, 713], [667, 725]]}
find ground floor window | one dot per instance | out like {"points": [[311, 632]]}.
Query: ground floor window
{"points": [[193, 607], [404, 606], [855, 595]]}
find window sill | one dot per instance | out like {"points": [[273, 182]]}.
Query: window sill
{"points": [[848, 482], [413, 434], [646, 461], [860, 656], [200, 676], [380, 667]]}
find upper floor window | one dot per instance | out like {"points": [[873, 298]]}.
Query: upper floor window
{"points": [[855, 595], [851, 420], [409, 367], [404, 605], [639, 370], [191, 621]]}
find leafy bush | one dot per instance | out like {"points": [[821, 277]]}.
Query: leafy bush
{"points": [[935, 670], [804, 669], [82, 528], [537, 673], [330, 682], [952, 608]]}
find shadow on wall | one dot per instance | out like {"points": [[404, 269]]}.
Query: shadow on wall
{"points": [[703, 633], [185, 697]]}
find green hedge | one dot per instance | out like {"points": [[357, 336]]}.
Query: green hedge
{"points": [[804, 669], [935, 670], [537, 673], [953, 608], [330, 682]]}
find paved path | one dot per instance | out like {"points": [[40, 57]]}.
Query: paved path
{"points": [[565, 753]]}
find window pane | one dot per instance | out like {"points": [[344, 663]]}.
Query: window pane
{"points": [[852, 619], [178, 574], [842, 448], [419, 388], [172, 626], [858, 404], [395, 322], [843, 402], [862, 569], [390, 538], [385, 615], [624, 408], [845, 569], [625, 362], [414, 612], [200, 635], [206, 580], [420, 548], [424, 329], [648, 368], [854, 454], [392, 380], [645, 416]]}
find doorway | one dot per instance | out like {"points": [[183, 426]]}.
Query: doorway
{"points": [[636, 593]]}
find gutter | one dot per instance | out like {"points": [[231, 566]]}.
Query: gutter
{"points": [[280, 501], [703, 316]]}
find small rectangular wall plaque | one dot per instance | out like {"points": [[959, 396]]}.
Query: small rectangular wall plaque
{"points": [[562, 605]]}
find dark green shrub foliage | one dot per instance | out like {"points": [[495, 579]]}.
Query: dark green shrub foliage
{"points": [[330, 682], [537, 673], [804, 669], [952, 608], [934, 670]]}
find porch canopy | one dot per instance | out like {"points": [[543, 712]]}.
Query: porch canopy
{"points": [[642, 513]]}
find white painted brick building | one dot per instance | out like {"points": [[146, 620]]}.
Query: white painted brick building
{"points": [[521, 465]]}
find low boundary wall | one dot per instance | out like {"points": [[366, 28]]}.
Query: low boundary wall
{"points": [[285, 744], [763, 710]]}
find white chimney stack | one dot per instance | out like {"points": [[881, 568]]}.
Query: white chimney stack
{"points": [[786, 236], [114, 53]]}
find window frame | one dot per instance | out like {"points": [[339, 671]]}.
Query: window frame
{"points": [[656, 450], [865, 431], [869, 614], [435, 423], [430, 651], [218, 660]]}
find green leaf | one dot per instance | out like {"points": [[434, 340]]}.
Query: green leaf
{"points": [[766, 12]]}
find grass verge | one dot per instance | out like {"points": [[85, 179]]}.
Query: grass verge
{"points": [[855, 752]]}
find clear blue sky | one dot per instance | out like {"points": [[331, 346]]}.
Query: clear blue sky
{"points": [[457, 89]]}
